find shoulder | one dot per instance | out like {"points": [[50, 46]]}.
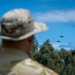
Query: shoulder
{"points": [[30, 67]]}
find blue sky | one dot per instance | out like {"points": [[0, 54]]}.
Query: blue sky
{"points": [[59, 15]]}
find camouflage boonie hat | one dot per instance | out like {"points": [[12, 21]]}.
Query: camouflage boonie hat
{"points": [[18, 24]]}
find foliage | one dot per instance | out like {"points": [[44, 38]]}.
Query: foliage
{"points": [[51, 58]]}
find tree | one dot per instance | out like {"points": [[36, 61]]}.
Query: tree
{"points": [[48, 56]]}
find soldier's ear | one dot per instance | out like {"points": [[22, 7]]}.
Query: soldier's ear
{"points": [[31, 39]]}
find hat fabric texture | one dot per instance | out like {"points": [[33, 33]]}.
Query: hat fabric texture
{"points": [[17, 24]]}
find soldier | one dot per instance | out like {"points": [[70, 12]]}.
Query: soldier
{"points": [[17, 32]]}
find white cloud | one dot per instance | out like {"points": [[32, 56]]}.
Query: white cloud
{"points": [[56, 16], [55, 45], [66, 46]]}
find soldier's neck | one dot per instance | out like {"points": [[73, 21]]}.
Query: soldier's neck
{"points": [[18, 48]]}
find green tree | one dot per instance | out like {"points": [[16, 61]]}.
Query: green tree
{"points": [[48, 56]]}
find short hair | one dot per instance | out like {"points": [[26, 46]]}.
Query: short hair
{"points": [[9, 42]]}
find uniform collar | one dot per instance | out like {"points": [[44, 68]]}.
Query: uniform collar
{"points": [[10, 57], [14, 52]]}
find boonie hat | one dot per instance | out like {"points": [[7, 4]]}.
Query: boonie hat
{"points": [[17, 24]]}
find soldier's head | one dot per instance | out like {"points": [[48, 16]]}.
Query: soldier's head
{"points": [[18, 28]]}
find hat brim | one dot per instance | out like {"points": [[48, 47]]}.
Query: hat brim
{"points": [[38, 27]]}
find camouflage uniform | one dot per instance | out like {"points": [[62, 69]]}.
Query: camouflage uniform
{"points": [[14, 62], [17, 25]]}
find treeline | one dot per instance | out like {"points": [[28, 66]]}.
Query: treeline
{"points": [[53, 59]]}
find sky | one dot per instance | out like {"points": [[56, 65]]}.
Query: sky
{"points": [[58, 15]]}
